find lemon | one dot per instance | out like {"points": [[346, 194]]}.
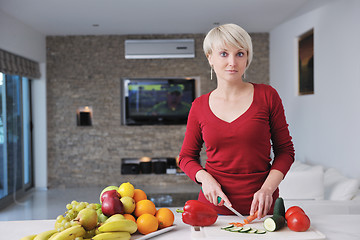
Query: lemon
{"points": [[126, 190]]}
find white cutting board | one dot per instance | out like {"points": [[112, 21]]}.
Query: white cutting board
{"points": [[215, 232]]}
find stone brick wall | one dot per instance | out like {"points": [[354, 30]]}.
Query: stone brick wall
{"points": [[86, 71]]}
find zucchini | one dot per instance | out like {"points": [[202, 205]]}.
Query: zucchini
{"points": [[279, 207], [274, 223]]}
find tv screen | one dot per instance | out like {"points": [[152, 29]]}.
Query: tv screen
{"points": [[148, 101]]}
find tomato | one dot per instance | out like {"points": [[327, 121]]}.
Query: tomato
{"points": [[298, 222], [292, 210]]}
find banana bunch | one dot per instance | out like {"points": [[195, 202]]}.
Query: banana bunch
{"points": [[69, 234], [112, 235], [115, 217], [121, 225], [41, 236], [30, 237], [116, 225], [45, 235]]}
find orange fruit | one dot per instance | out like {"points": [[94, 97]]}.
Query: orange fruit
{"points": [[144, 206], [165, 217], [139, 195], [147, 223], [129, 217]]}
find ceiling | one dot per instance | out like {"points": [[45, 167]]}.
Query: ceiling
{"points": [[124, 17]]}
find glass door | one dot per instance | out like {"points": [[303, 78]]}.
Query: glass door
{"points": [[3, 154], [16, 166], [14, 133]]}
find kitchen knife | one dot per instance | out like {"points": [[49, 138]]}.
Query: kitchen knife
{"points": [[232, 209]]}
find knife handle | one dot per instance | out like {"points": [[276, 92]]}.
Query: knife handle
{"points": [[218, 198]]}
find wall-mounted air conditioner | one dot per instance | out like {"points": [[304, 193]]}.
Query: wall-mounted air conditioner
{"points": [[159, 48]]}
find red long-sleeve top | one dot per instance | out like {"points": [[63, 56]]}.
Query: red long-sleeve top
{"points": [[238, 153]]}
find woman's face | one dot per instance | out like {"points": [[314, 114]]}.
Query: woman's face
{"points": [[229, 62]]}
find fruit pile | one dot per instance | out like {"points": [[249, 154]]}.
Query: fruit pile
{"points": [[121, 212]]}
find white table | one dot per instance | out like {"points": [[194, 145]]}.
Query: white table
{"points": [[334, 227]]}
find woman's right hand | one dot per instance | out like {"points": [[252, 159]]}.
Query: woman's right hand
{"points": [[211, 188]]}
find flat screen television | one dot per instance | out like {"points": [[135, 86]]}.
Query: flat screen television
{"points": [[154, 101]]}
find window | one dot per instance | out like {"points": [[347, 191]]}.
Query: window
{"points": [[15, 136]]}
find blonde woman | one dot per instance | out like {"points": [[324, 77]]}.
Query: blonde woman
{"points": [[239, 122]]}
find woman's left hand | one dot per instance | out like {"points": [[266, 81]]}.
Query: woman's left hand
{"points": [[263, 199], [262, 202]]}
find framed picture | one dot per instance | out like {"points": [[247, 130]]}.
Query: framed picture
{"points": [[306, 63]]}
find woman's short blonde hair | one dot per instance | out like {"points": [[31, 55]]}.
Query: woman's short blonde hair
{"points": [[228, 34]]}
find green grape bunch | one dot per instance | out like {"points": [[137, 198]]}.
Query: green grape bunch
{"points": [[66, 220]]}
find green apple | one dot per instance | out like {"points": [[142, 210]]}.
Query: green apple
{"points": [[129, 204], [108, 188]]}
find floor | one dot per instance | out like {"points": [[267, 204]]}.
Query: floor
{"points": [[48, 204]]}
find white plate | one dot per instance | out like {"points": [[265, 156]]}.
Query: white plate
{"points": [[153, 234]]}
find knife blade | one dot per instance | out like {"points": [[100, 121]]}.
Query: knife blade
{"points": [[232, 209]]}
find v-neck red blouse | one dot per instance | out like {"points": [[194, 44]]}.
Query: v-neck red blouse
{"points": [[238, 153]]}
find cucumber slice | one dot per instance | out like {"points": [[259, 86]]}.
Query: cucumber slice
{"points": [[270, 224], [274, 223], [245, 229], [260, 231], [227, 227], [235, 229], [253, 230], [232, 228], [279, 207]]}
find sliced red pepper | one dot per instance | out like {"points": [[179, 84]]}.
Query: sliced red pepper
{"points": [[197, 213]]}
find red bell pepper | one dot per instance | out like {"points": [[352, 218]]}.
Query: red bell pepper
{"points": [[197, 213]]}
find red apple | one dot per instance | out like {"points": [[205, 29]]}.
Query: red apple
{"points": [[111, 206], [108, 188], [111, 194]]}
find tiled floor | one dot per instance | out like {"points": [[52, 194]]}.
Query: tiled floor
{"points": [[48, 204]]}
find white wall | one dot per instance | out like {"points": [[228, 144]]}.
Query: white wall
{"points": [[20, 39], [325, 126], [38, 88]]}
